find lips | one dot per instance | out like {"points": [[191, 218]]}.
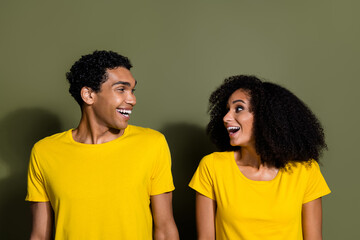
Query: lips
{"points": [[125, 112], [232, 130]]}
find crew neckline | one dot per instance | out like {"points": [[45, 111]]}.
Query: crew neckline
{"points": [[72, 140], [232, 154]]}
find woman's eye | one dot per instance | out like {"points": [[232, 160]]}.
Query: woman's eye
{"points": [[238, 109], [120, 89]]}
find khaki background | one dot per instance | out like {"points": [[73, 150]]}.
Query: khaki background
{"points": [[181, 51]]}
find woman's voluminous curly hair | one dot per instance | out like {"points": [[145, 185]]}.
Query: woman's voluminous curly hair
{"points": [[284, 128], [90, 71]]}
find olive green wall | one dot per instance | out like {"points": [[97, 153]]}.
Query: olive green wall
{"points": [[181, 51]]}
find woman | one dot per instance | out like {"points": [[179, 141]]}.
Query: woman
{"points": [[266, 183]]}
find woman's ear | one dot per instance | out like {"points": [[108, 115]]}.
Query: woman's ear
{"points": [[87, 95]]}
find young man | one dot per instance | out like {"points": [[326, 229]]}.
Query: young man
{"points": [[97, 181]]}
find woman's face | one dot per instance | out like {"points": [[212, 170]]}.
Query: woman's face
{"points": [[239, 120]]}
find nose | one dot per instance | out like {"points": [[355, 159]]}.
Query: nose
{"points": [[228, 117], [131, 99]]}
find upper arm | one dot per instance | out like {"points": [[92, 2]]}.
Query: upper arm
{"points": [[164, 223], [312, 220], [205, 217], [42, 220]]}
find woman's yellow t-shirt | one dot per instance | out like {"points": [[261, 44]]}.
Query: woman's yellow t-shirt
{"points": [[252, 210]]}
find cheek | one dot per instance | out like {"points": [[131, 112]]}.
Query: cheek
{"points": [[120, 99], [249, 124]]}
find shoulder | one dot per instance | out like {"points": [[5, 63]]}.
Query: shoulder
{"points": [[146, 134], [52, 140], [305, 165], [216, 158], [302, 168], [136, 130], [142, 130], [220, 156]]}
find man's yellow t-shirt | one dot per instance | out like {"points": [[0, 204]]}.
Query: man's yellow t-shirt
{"points": [[101, 191], [258, 210]]}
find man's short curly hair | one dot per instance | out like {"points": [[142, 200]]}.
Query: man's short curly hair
{"points": [[90, 71], [285, 129]]}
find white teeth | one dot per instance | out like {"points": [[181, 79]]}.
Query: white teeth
{"points": [[124, 111], [233, 128]]}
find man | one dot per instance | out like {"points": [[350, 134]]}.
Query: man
{"points": [[100, 178]]}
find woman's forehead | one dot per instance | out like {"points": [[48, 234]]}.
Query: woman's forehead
{"points": [[239, 94]]}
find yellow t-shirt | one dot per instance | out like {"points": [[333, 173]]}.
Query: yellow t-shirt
{"points": [[101, 191], [257, 210]]}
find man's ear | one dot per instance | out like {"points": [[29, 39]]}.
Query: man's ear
{"points": [[87, 95]]}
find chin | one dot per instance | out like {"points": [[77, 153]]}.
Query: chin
{"points": [[237, 143], [123, 127], [120, 127]]}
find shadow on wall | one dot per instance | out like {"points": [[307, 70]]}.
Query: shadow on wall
{"points": [[19, 131], [188, 144]]}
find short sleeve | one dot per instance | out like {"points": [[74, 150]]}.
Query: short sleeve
{"points": [[316, 186], [35, 182], [202, 181], [161, 180]]}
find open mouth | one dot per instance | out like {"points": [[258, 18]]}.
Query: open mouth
{"points": [[232, 130], [124, 112]]}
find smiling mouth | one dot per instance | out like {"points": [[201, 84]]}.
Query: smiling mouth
{"points": [[124, 112], [232, 130]]}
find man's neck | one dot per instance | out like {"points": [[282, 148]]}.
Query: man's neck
{"points": [[90, 132]]}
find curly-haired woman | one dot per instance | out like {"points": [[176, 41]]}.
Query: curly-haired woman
{"points": [[266, 182]]}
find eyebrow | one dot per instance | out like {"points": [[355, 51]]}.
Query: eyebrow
{"points": [[123, 83], [239, 100]]}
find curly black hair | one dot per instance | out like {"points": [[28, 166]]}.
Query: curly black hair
{"points": [[90, 71], [284, 128]]}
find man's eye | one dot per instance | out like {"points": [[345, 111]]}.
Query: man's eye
{"points": [[120, 89]]}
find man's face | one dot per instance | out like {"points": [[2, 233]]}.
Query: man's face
{"points": [[114, 102]]}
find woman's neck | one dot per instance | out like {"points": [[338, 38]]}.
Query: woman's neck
{"points": [[249, 163], [247, 156]]}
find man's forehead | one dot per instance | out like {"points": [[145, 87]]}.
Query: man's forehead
{"points": [[120, 76], [126, 83]]}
